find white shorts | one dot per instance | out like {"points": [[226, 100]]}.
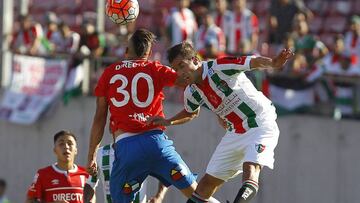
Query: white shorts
{"points": [[256, 145]]}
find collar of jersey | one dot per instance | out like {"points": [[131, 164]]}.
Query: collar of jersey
{"points": [[64, 172], [205, 70]]}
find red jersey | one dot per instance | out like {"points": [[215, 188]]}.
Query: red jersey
{"points": [[52, 184], [133, 89]]}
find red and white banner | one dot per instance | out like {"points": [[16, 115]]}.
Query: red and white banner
{"points": [[36, 83]]}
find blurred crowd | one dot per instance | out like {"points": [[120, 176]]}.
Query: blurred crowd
{"points": [[325, 36]]}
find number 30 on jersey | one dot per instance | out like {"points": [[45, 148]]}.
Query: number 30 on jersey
{"points": [[134, 84]]}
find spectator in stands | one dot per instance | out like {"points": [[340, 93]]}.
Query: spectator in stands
{"points": [[352, 39], [51, 34], [298, 65], [211, 51], [27, 39], [243, 25], [306, 43], [3, 198], [181, 24], [91, 42], [282, 13], [68, 42], [221, 14], [209, 32], [343, 73]]}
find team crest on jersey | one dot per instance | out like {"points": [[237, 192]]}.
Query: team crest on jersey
{"points": [[129, 187], [259, 147], [211, 71], [55, 182], [178, 172]]}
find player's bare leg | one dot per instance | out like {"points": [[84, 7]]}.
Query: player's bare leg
{"points": [[248, 190], [208, 185]]}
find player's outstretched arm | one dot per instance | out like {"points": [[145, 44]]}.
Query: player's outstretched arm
{"points": [[180, 118], [97, 132], [276, 62]]}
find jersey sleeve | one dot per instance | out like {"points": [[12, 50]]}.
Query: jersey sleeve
{"points": [[102, 85], [166, 75], [35, 190], [192, 99], [233, 65]]}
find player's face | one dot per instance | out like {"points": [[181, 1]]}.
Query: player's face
{"points": [[185, 69], [65, 148], [239, 5], [220, 5]]}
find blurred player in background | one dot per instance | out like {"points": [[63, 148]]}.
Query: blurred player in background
{"points": [[252, 133], [132, 91], [64, 181], [105, 158]]}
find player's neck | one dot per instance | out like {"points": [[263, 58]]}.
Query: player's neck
{"points": [[136, 58], [198, 75], [66, 166]]}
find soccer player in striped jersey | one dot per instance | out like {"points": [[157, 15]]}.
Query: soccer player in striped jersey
{"points": [[252, 133], [62, 182]]}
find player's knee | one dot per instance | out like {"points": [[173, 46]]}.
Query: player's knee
{"points": [[209, 182], [251, 171]]}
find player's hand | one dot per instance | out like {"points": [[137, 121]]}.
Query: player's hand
{"points": [[91, 167], [158, 120], [279, 60]]}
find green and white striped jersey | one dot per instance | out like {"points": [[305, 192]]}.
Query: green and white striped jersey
{"points": [[227, 91], [105, 157]]}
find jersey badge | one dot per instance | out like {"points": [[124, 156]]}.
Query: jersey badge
{"points": [[178, 172], [259, 147], [131, 186], [55, 182]]}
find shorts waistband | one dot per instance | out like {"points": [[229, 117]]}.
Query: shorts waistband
{"points": [[124, 135], [128, 135]]}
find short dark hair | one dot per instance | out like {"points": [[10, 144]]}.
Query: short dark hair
{"points": [[142, 40], [62, 133], [185, 49], [338, 37]]}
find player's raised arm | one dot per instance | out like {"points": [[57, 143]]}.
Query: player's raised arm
{"points": [[97, 132], [276, 62], [180, 118]]}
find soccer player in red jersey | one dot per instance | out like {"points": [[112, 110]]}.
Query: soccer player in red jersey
{"points": [[62, 182], [132, 91]]}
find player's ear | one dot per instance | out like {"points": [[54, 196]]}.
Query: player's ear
{"points": [[150, 53], [196, 60]]}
